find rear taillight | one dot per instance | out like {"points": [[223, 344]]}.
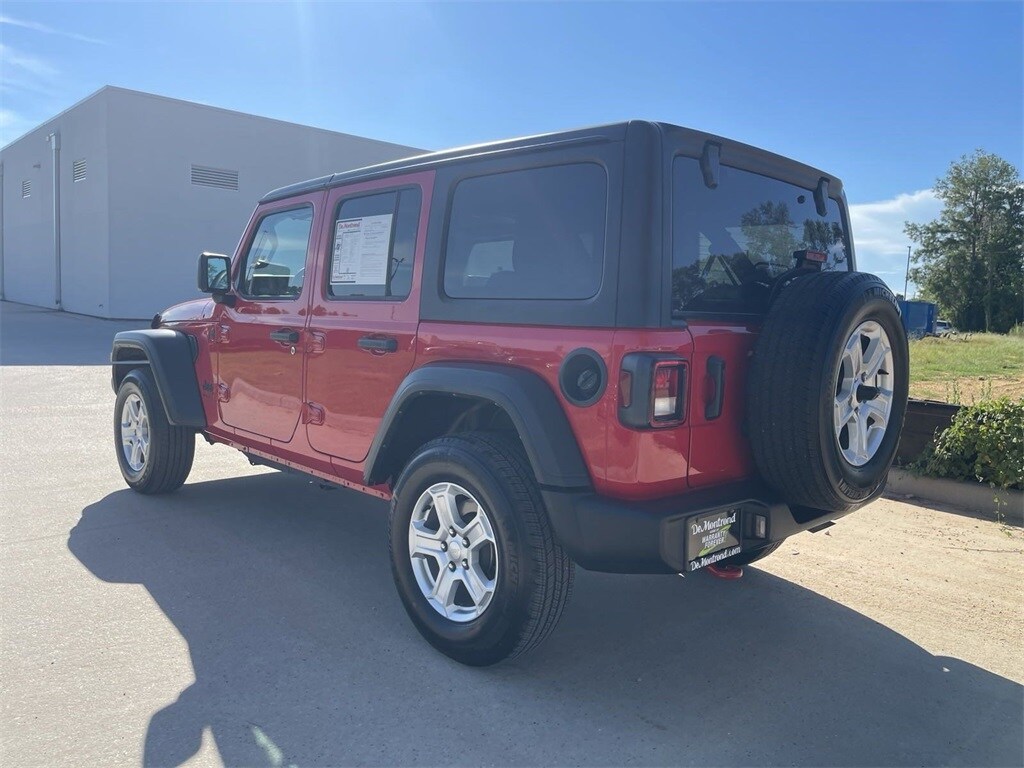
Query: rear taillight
{"points": [[665, 393], [652, 390]]}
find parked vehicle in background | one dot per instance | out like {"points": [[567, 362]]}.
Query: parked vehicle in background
{"points": [[637, 347], [944, 327]]}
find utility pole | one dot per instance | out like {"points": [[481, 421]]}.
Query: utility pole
{"points": [[906, 277]]}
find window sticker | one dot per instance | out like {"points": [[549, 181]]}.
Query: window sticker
{"points": [[361, 250]]}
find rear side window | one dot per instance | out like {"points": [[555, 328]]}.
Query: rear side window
{"points": [[730, 243], [373, 245], [530, 234], [275, 265]]}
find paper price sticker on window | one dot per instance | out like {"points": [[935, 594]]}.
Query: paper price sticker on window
{"points": [[361, 250]]}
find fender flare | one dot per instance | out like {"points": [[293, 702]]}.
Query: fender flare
{"points": [[531, 406], [170, 356]]}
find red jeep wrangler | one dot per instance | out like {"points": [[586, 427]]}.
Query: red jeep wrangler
{"points": [[637, 347]]}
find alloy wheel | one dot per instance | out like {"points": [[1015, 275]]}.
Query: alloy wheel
{"points": [[453, 552], [863, 393], [135, 432]]}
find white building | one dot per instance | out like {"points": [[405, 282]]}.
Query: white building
{"points": [[145, 184]]}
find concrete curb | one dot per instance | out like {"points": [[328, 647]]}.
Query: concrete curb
{"points": [[973, 497]]}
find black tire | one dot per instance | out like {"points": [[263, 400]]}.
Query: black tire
{"points": [[171, 448], [534, 574], [792, 388]]}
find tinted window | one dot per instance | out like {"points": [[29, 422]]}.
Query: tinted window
{"points": [[275, 265], [730, 243], [532, 234], [373, 245]]}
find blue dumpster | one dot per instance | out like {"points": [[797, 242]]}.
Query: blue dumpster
{"points": [[918, 317]]}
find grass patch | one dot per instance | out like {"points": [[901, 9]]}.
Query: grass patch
{"points": [[967, 368]]}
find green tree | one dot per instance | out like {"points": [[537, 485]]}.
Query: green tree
{"points": [[824, 236], [971, 259]]}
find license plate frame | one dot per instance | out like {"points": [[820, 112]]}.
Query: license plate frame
{"points": [[712, 537]]}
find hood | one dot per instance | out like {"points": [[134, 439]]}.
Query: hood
{"points": [[196, 309]]}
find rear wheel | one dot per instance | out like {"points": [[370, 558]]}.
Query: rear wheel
{"points": [[154, 455], [472, 552]]}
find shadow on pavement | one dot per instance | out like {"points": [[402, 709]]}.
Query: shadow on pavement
{"points": [[37, 336], [302, 654]]}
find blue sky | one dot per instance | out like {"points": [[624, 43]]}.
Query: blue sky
{"points": [[883, 95]]}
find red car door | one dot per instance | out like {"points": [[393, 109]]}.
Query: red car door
{"points": [[365, 309], [259, 340]]}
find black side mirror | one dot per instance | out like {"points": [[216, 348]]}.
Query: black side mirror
{"points": [[214, 273]]}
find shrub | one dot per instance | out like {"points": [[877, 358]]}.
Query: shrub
{"points": [[985, 442]]}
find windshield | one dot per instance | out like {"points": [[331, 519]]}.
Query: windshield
{"points": [[730, 243]]}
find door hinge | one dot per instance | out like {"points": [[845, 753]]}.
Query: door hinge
{"points": [[223, 393], [313, 414], [316, 342]]}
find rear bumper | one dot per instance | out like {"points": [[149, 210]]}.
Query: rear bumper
{"points": [[616, 536]]}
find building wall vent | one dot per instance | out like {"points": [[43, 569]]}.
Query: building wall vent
{"points": [[78, 170], [203, 176], [26, 188]]}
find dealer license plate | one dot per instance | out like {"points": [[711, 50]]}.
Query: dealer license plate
{"points": [[712, 537]]}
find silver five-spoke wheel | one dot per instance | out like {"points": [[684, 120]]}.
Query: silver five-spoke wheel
{"points": [[453, 552], [863, 393], [135, 432]]}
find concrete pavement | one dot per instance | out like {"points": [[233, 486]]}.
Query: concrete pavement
{"points": [[250, 619]]}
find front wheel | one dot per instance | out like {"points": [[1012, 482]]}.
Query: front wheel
{"points": [[154, 455], [472, 552]]}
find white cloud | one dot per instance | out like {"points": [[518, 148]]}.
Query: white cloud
{"points": [[13, 125], [23, 79], [878, 233], [24, 63], [26, 74], [35, 26]]}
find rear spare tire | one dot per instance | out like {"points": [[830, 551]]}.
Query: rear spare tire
{"points": [[827, 390]]}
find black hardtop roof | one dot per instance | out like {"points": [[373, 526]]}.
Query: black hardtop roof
{"points": [[601, 133]]}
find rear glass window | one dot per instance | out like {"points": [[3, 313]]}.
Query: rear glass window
{"points": [[373, 246], [531, 234], [729, 244]]}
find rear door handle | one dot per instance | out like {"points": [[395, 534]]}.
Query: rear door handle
{"points": [[286, 336], [716, 373], [378, 345]]}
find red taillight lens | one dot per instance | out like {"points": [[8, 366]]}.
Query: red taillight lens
{"points": [[665, 392]]}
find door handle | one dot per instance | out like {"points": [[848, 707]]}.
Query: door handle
{"points": [[286, 336], [378, 345], [716, 374]]}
